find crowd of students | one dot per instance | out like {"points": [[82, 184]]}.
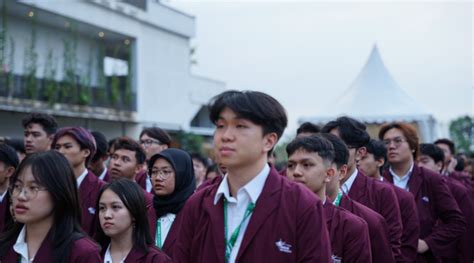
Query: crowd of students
{"points": [[69, 195]]}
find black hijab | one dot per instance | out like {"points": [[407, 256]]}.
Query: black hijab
{"points": [[184, 184]]}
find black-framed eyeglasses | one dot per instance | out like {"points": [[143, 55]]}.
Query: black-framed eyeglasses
{"points": [[162, 174], [149, 142], [397, 141], [30, 191]]}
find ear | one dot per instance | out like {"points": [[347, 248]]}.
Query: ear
{"points": [[380, 162], [343, 172], [138, 168], [86, 153], [10, 171], [330, 173], [439, 166], [269, 141], [360, 153]]}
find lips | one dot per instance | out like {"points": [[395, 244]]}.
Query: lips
{"points": [[107, 225], [20, 209], [226, 150]]}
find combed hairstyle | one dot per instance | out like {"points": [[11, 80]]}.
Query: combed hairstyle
{"points": [[46, 121], [352, 131], [127, 143], [312, 144], [433, 151], [52, 171], [82, 136], [341, 151], [308, 127], [102, 145], [452, 147], [8, 156], [158, 134], [133, 198], [377, 148], [258, 107], [17, 144], [408, 130], [200, 158]]}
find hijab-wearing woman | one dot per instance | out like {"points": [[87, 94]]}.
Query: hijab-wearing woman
{"points": [[125, 233], [173, 181], [46, 205]]}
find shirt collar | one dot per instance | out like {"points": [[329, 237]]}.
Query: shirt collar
{"points": [[405, 175], [21, 247], [81, 178], [2, 196], [102, 175], [253, 188], [346, 187]]}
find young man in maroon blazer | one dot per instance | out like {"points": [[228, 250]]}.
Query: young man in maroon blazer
{"points": [[253, 214], [311, 163], [371, 165], [39, 130], [441, 221], [97, 164], [8, 163], [376, 195], [432, 157], [78, 146], [378, 230], [450, 162]]}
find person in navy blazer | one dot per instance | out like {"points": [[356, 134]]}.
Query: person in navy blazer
{"points": [[441, 221], [124, 234], [253, 214], [377, 196], [78, 146], [371, 165], [8, 163], [47, 214], [378, 230], [311, 163]]}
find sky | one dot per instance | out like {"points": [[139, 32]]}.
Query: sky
{"points": [[307, 53]]}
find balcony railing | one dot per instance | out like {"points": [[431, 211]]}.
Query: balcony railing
{"points": [[113, 95]]}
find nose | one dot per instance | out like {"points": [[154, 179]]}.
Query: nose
{"points": [[107, 214], [298, 171], [227, 134], [28, 137]]}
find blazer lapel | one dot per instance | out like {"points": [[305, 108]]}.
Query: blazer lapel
{"points": [[358, 188], [415, 182], [135, 255], [267, 203], [216, 218], [172, 234], [387, 176]]}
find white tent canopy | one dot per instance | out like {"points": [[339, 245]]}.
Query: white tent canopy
{"points": [[375, 97]]}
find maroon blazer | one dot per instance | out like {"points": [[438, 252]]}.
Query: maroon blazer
{"points": [[441, 221], [5, 215], [141, 179], [154, 255], [172, 234], [411, 224], [82, 250], [463, 250], [382, 199], [378, 230], [107, 177], [287, 225], [349, 235], [88, 194]]}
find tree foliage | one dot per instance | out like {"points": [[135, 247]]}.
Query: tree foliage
{"points": [[461, 131]]}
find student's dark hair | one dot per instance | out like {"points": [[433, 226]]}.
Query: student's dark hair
{"points": [[82, 136], [432, 150], [460, 165], [17, 144], [133, 198], [377, 148], [408, 131], [200, 158], [448, 142], [158, 134], [127, 143], [341, 151], [213, 168], [102, 145], [351, 131], [312, 144], [52, 171], [309, 128], [258, 107], [8, 156], [46, 121]]}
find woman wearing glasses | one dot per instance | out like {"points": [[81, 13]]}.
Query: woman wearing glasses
{"points": [[441, 222], [125, 233], [173, 183], [47, 212]]}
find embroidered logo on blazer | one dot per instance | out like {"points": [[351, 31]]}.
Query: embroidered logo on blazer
{"points": [[91, 210], [426, 199], [283, 246], [336, 259]]}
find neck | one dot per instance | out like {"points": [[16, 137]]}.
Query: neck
{"points": [[4, 187], [377, 175], [239, 176], [401, 168], [122, 243], [349, 173], [36, 233], [322, 194], [78, 170]]}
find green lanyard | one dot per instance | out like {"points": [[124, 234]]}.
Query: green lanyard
{"points": [[229, 243], [337, 201], [158, 234]]}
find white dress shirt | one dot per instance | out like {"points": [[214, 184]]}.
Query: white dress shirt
{"points": [[102, 175], [402, 182], [166, 222], [21, 247], [346, 187], [3, 196], [236, 206], [108, 256], [148, 184], [81, 178]]}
